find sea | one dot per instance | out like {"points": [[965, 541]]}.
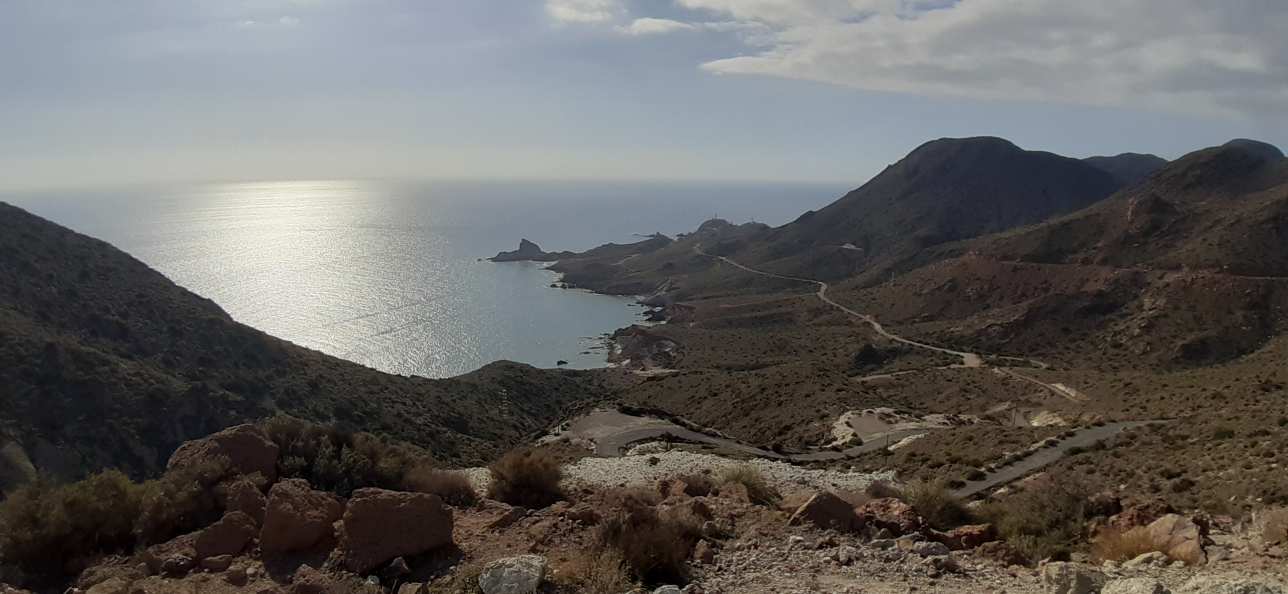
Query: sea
{"points": [[393, 275]]}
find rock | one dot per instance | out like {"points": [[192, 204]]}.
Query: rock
{"points": [[703, 553], [1179, 538], [366, 539], [826, 511], [892, 515], [1150, 559], [155, 556], [1140, 514], [584, 515], [1206, 584], [942, 564], [507, 519], [243, 495], [177, 565], [396, 569], [965, 537], [1070, 578], [236, 576], [247, 447], [110, 568], [513, 575], [114, 585], [930, 549], [413, 588], [307, 580], [1138, 585], [735, 492], [227, 536], [1000, 552], [668, 590], [846, 554], [217, 563], [297, 518]]}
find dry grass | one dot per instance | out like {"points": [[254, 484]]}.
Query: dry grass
{"points": [[601, 571], [452, 486], [1121, 545], [655, 547], [1046, 520], [758, 489], [529, 478]]}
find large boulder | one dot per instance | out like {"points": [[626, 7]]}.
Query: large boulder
{"points": [[513, 575], [965, 537], [297, 517], [1211, 584], [243, 495], [1071, 578], [827, 511], [891, 514], [380, 525], [227, 536], [247, 448], [1140, 514], [1179, 538]]}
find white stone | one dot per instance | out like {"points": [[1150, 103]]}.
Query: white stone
{"points": [[1137, 585], [513, 575], [1207, 584], [1070, 578]]}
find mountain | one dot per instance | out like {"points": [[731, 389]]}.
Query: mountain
{"points": [[106, 363], [1222, 208], [1128, 168]]}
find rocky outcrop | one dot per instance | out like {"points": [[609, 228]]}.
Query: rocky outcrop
{"points": [[529, 252], [243, 495], [246, 447], [297, 518], [827, 511], [1070, 578], [965, 537], [227, 536], [513, 575], [892, 515], [380, 525]]}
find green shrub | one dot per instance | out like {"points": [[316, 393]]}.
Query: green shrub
{"points": [[1045, 520], [529, 478], [181, 501], [933, 501], [340, 461], [759, 491], [42, 526]]}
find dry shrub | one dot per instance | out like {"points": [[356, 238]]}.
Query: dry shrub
{"points": [[654, 546], [1046, 520], [182, 500], [933, 501], [1272, 525], [1113, 544], [882, 490], [42, 526], [452, 486], [601, 571], [758, 489], [697, 485], [529, 478]]}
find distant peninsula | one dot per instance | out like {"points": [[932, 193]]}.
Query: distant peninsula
{"points": [[529, 252]]}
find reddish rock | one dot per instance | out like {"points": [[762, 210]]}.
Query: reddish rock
{"points": [[217, 563], [297, 517], [155, 556], [965, 537], [892, 515], [1000, 552], [703, 553], [228, 536], [243, 495], [380, 525], [1140, 514], [247, 448], [827, 511]]}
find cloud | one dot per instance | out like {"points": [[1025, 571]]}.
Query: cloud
{"points": [[1179, 55], [584, 11], [653, 26]]}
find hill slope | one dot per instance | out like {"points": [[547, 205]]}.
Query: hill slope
{"points": [[105, 362]]}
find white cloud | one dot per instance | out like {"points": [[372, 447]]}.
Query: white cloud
{"points": [[1185, 55], [652, 26], [584, 11]]}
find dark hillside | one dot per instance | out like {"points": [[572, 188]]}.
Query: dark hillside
{"points": [[105, 362]]}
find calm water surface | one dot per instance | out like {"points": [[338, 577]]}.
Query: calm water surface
{"points": [[388, 274]]}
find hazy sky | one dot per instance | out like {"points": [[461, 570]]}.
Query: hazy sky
{"points": [[125, 91]]}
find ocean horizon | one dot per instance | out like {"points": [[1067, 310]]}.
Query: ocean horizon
{"points": [[391, 274]]}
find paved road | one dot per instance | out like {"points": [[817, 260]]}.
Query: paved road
{"points": [[613, 431], [969, 360], [1046, 456]]}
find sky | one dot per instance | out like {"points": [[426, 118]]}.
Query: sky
{"points": [[142, 91]]}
